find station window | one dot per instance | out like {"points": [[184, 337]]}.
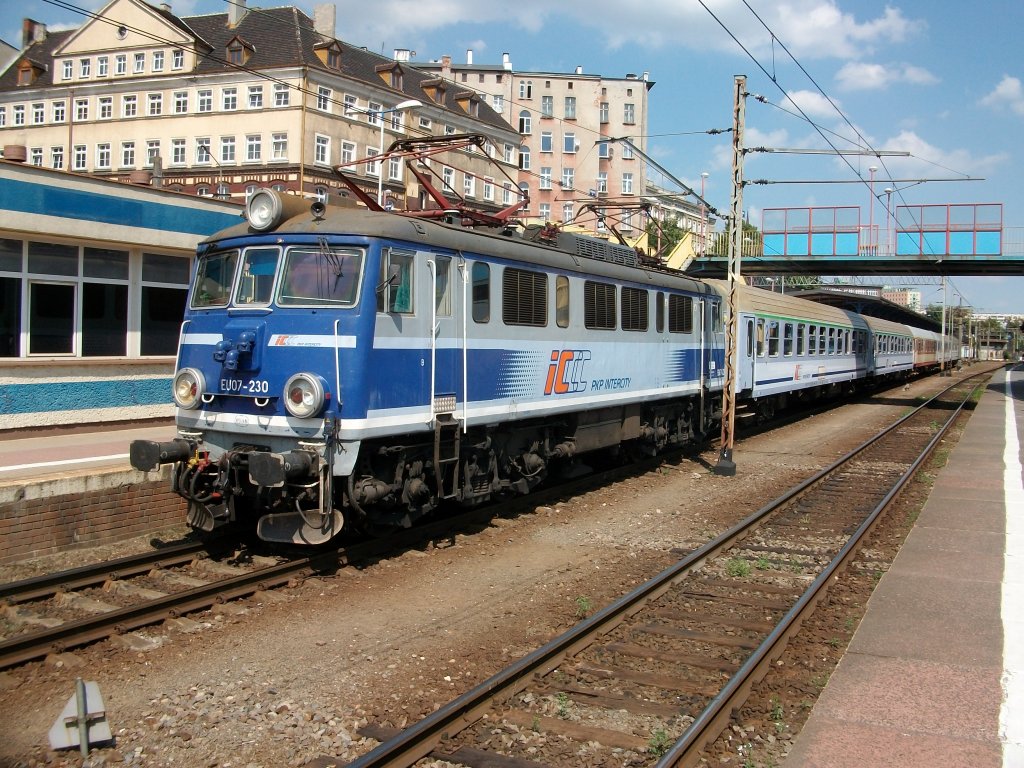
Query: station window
{"points": [[481, 292], [599, 305], [524, 297]]}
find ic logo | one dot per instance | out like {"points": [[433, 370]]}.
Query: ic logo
{"points": [[565, 374]]}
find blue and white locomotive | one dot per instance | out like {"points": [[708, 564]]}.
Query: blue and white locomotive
{"points": [[342, 366]]}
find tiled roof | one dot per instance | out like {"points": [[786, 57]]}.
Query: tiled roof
{"points": [[280, 37]]}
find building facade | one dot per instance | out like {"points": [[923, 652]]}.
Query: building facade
{"points": [[571, 165], [221, 104]]}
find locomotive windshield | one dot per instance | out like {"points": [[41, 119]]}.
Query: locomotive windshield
{"points": [[308, 275]]}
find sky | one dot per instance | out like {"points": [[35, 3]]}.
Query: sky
{"points": [[940, 80]]}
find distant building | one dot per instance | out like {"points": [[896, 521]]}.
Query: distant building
{"points": [[569, 162], [905, 298], [221, 104]]}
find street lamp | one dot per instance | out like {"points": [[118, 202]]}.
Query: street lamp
{"points": [[401, 107], [871, 209], [222, 190]]}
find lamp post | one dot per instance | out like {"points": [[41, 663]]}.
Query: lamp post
{"points": [[222, 192], [401, 107], [871, 210], [888, 221]]}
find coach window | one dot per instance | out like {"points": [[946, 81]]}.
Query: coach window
{"points": [[831, 341], [562, 301], [442, 286], [659, 312], [822, 333], [524, 297], [634, 309], [395, 290], [812, 340], [773, 338], [680, 314], [787, 340], [760, 338], [716, 317], [481, 292], [599, 306], [750, 338], [801, 339]]}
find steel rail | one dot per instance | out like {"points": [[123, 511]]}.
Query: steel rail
{"points": [[715, 717], [421, 739]]}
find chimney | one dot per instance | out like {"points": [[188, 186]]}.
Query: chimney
{"points": [[32, 32], [236, 12], [446, 66], [469, 57], [506, 62], [325, 19], [579, 69], [403, 54], [165, 7]]}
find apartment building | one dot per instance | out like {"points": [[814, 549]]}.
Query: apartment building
{"points": [[221, 104], [570, 162]]}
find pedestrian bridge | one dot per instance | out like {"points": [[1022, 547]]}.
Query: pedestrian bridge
{"points": [[961, 239]]}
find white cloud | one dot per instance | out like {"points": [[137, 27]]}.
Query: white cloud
{"points": [[865, 76], [929, 161], [813, 103], [1008, 94]]}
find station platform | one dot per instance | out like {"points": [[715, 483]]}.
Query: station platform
{"points": [[934, 674]]}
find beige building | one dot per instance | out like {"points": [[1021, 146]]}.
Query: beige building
{"points": [[221, 104], [572, 169]]}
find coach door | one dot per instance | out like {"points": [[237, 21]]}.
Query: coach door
{"points": [[448, 351]]}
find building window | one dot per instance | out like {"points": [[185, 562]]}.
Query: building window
{"points": [[627, 183], [569, 146], [152, 151], [80, 154], [322, 194], [323, 99], [203, 154], [3, 117], [103, 156], [498, 102], [253, 147], [19, 114], [525, 90], [351, 104], [568, 178], [603, 112], [68, 69], [567, 213], [628, 113], [570, 107], [627, 151], [85, 68], [120, 64], [229, 99], [129, 106], [448, 177], [59, 114], [180, 102], [395, 168], [280, 146], [81, 110], [255, 97], [322, 149], [177, 59], [177, 151], [525, 122], [547, 142], [156, 104], [469, 185], [282, 95], [602, 182], [158, 61], [36, 156], [373, 167], [140, 64], [102, 66], [227, 149], [489, 190], [524, 158], [348, 152], [106, 107], [545, 177], [57, 157], [38, 114], [547, 106], [204, 100], [127, 154], [544, 211]]}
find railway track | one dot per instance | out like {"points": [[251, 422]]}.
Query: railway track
{"points": [[654, 677]]}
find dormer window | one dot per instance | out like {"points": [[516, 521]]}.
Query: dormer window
{"points": [[470, 103], [392, 74], [329, 54], [435, 89], [28, 71], [239, 51]]}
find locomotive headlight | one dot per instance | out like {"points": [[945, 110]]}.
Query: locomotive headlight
{"points": [[268, 208], [304, 395], [188, 388]]}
